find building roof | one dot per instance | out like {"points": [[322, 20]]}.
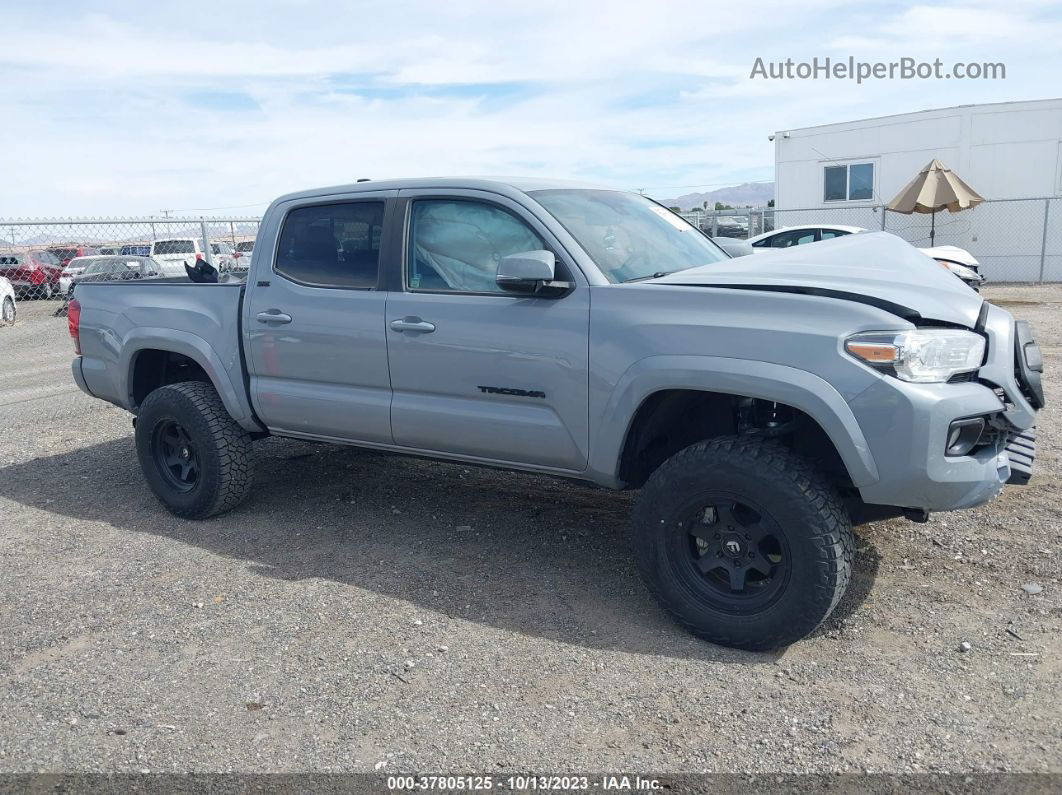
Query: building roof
{"points": [[999, 105]]}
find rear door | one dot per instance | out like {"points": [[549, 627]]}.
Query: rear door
{"points": [[477, 371], [314, 321]]}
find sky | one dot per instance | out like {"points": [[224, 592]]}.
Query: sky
{"points": [[131, 108]]}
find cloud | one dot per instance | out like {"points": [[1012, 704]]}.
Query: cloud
{"points": [[220, 105]]}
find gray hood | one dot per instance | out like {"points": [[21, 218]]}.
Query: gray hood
{"points": [[877, 268]]}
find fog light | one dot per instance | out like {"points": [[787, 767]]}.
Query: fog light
{"points": [[963, 435]]}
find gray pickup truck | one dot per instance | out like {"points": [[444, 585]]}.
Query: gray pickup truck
{"points": [[762, 406]]}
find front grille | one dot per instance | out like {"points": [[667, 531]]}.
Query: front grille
{"points": [[963, 378]]}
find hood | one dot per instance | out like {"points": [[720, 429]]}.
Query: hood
{"points": [[952, 254], [875, 268]]}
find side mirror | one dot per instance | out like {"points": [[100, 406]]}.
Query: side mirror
{"points": [[530, 272]]}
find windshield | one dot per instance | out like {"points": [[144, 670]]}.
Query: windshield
{"points": [[628, 236]]}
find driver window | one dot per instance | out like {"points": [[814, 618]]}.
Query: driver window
{"points": [[456, 245]]}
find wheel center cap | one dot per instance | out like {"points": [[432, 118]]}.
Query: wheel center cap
{"points": [[185, 453], [732, 547]]}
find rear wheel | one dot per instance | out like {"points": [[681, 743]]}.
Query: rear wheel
{"points": [[743, 542], [7, 312], [195, 457], [45, 291]]}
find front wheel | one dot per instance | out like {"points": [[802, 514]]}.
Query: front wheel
{"points": [[7, 313], [743, 542], [194, 456], [45, 291]]}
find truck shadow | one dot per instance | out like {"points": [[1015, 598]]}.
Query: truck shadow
{"points": [[520, 552]]}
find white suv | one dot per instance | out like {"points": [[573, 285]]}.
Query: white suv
{"points": [[173, 253]]}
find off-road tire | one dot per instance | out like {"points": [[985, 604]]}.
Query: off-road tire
{"points": [[802, 504], [222, 447]]}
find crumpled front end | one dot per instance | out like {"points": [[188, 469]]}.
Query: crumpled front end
{"points": [[948, 446]]}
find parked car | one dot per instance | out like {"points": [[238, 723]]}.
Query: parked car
{"points": [[34, 273], [137, 250], [958, 261], [242, 254], [68, 252], [728, 226], [733, 246], [8, 304], [73, 269], [101, 268], [172, 254], [761, 407], [225, 258], [787, 236]]}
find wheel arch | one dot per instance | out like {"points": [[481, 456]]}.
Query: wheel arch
{"points": [[668, 388], [157, 357]]}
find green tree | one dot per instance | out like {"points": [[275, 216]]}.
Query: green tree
{"points": [[721, 206]]}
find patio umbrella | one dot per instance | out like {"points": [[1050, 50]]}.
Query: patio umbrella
{"points": [[935, 188]]}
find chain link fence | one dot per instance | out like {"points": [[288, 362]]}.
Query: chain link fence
{"points": [[34, 253], [1015, 240]]}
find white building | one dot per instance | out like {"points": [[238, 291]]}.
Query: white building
{"points": [[1007, 150]]}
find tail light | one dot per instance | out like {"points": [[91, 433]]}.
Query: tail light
{"points": [[73, 321]]}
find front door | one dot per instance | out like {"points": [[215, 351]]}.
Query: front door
{"points": [[315, 323], [477, 371]]}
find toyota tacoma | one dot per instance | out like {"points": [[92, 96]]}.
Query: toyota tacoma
{"points": [[761, 406]]}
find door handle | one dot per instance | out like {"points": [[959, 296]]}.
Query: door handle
{"points": [[413, 324], [273, 316]]}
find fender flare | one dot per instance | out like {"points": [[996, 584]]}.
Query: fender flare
{"points": [[198, 350], [797, 388]]}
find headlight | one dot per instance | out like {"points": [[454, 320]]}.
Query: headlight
{"points": [[922, 356], [964, 273]]}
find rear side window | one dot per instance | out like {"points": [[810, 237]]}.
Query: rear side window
{"points": [[332, 245], [174, 247]]}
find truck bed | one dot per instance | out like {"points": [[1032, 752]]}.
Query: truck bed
{"points": [[119, 320]]}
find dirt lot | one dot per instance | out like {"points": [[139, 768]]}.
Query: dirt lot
{"points": [[364, 611]]}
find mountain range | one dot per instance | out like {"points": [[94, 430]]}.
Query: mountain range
{"points": [[755, 194]]}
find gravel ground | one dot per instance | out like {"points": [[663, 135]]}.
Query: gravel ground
{"points": [[364, 611]]}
